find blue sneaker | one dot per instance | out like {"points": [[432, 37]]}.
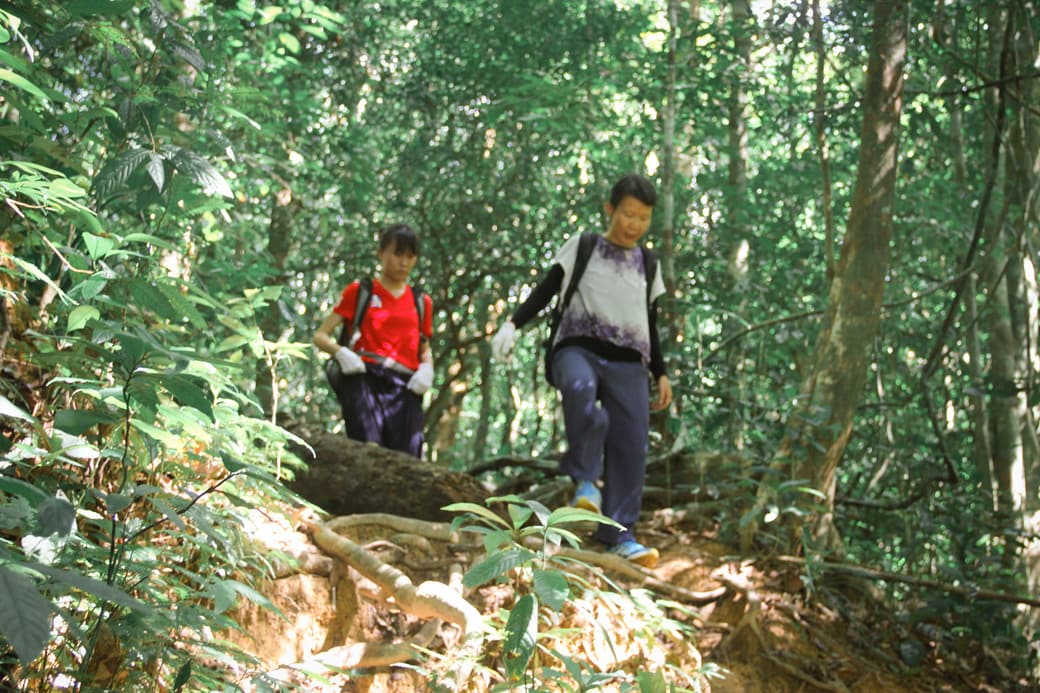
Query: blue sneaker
{"points": [[587, 497], [632, 550]]}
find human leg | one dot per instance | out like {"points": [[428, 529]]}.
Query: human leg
{"points": [[358, 402], [403, 416], [585, 421], [625, 396]]}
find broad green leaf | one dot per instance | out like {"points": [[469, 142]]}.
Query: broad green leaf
{"points": [[13, 411], [79, 421], [114, 176], [551, 587], [224, 595], [291, 43], [56, 516], [496, 565], [156, 171], [22, 83], [97, 246], [652, 682], [183, 677], [24, 615], [105, 8], [169, 512], [80, 316], [520, 636], [479, 510], [22, 489], [188, 393]]}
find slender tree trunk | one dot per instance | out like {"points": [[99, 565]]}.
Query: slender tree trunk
{"points": [[822, 149], [736, 245], [279, 234], [480, 436], [822, 423], [1023, 187]]}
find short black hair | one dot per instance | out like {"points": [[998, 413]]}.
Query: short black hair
{"points": [[633, 185], [400, 237]]}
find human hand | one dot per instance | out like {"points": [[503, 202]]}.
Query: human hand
{"points": [[664, 394], [503, 341], [349, 362], [422, 379]]}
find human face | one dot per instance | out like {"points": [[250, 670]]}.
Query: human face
{"points": [[629, 221], [397, 263]]}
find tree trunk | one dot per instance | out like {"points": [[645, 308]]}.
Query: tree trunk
{"points": [[822, 423], [279, 234], [822, 150], [736, 245], [345, 477]]}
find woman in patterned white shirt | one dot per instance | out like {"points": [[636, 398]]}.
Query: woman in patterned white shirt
{"points": [[606, 341]]}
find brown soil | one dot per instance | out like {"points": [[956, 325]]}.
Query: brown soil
{"points": [[759, 631]]}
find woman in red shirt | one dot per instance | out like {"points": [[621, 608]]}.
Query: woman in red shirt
{"points": [[381, 372]]}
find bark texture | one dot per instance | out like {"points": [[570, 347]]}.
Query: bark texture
{"points": [[345, 477]]}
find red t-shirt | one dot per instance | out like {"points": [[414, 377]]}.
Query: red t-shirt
{"points": [[391, 325]]}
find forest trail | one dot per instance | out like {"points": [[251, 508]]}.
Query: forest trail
{"points": [[751, 626]]}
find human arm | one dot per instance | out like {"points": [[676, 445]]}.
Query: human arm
{"points": [[422, 379], [349, 362], [504, 340], [657, 367]]}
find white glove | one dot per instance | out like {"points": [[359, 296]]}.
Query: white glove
{"points": [[503, 341], [422, 379], [349, 362]]}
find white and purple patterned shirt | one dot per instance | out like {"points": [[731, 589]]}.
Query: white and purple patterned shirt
{"points": [[610, 301]]}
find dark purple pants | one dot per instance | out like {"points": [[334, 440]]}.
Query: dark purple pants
{"points": [[606, 413], [379, 408]]}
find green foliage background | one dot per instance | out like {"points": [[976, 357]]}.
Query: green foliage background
{"points": [[145, 147]]}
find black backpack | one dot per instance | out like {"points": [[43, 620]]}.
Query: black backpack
{"points": [[585, 246]]}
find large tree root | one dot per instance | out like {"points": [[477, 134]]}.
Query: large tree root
{"points": [[429, 600]]}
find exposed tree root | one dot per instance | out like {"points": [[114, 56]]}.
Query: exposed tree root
{"points": [[438, 531], [429, 600]]}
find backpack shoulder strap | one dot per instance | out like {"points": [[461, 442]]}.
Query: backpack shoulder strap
{"points": [[364, 296], [649, 271], [420, 307], [585, 245]]}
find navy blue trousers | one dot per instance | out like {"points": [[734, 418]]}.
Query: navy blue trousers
{"points": [[606, 413], [378, 407]]}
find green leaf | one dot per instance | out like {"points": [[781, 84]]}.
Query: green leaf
{"points": [[521, 634], [551, 587], [79, 421], [97, 588], [22, 83], [24, 615], [291, 43], [496, 565], [189, 394], [183, 677], [89, 8], [156, 171], [224, 595], [479, 510], [13, 411], [97, 246], [22, 489], [56, 516], [651, 682], [114, 176], [202, 172], [80, 316]]}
